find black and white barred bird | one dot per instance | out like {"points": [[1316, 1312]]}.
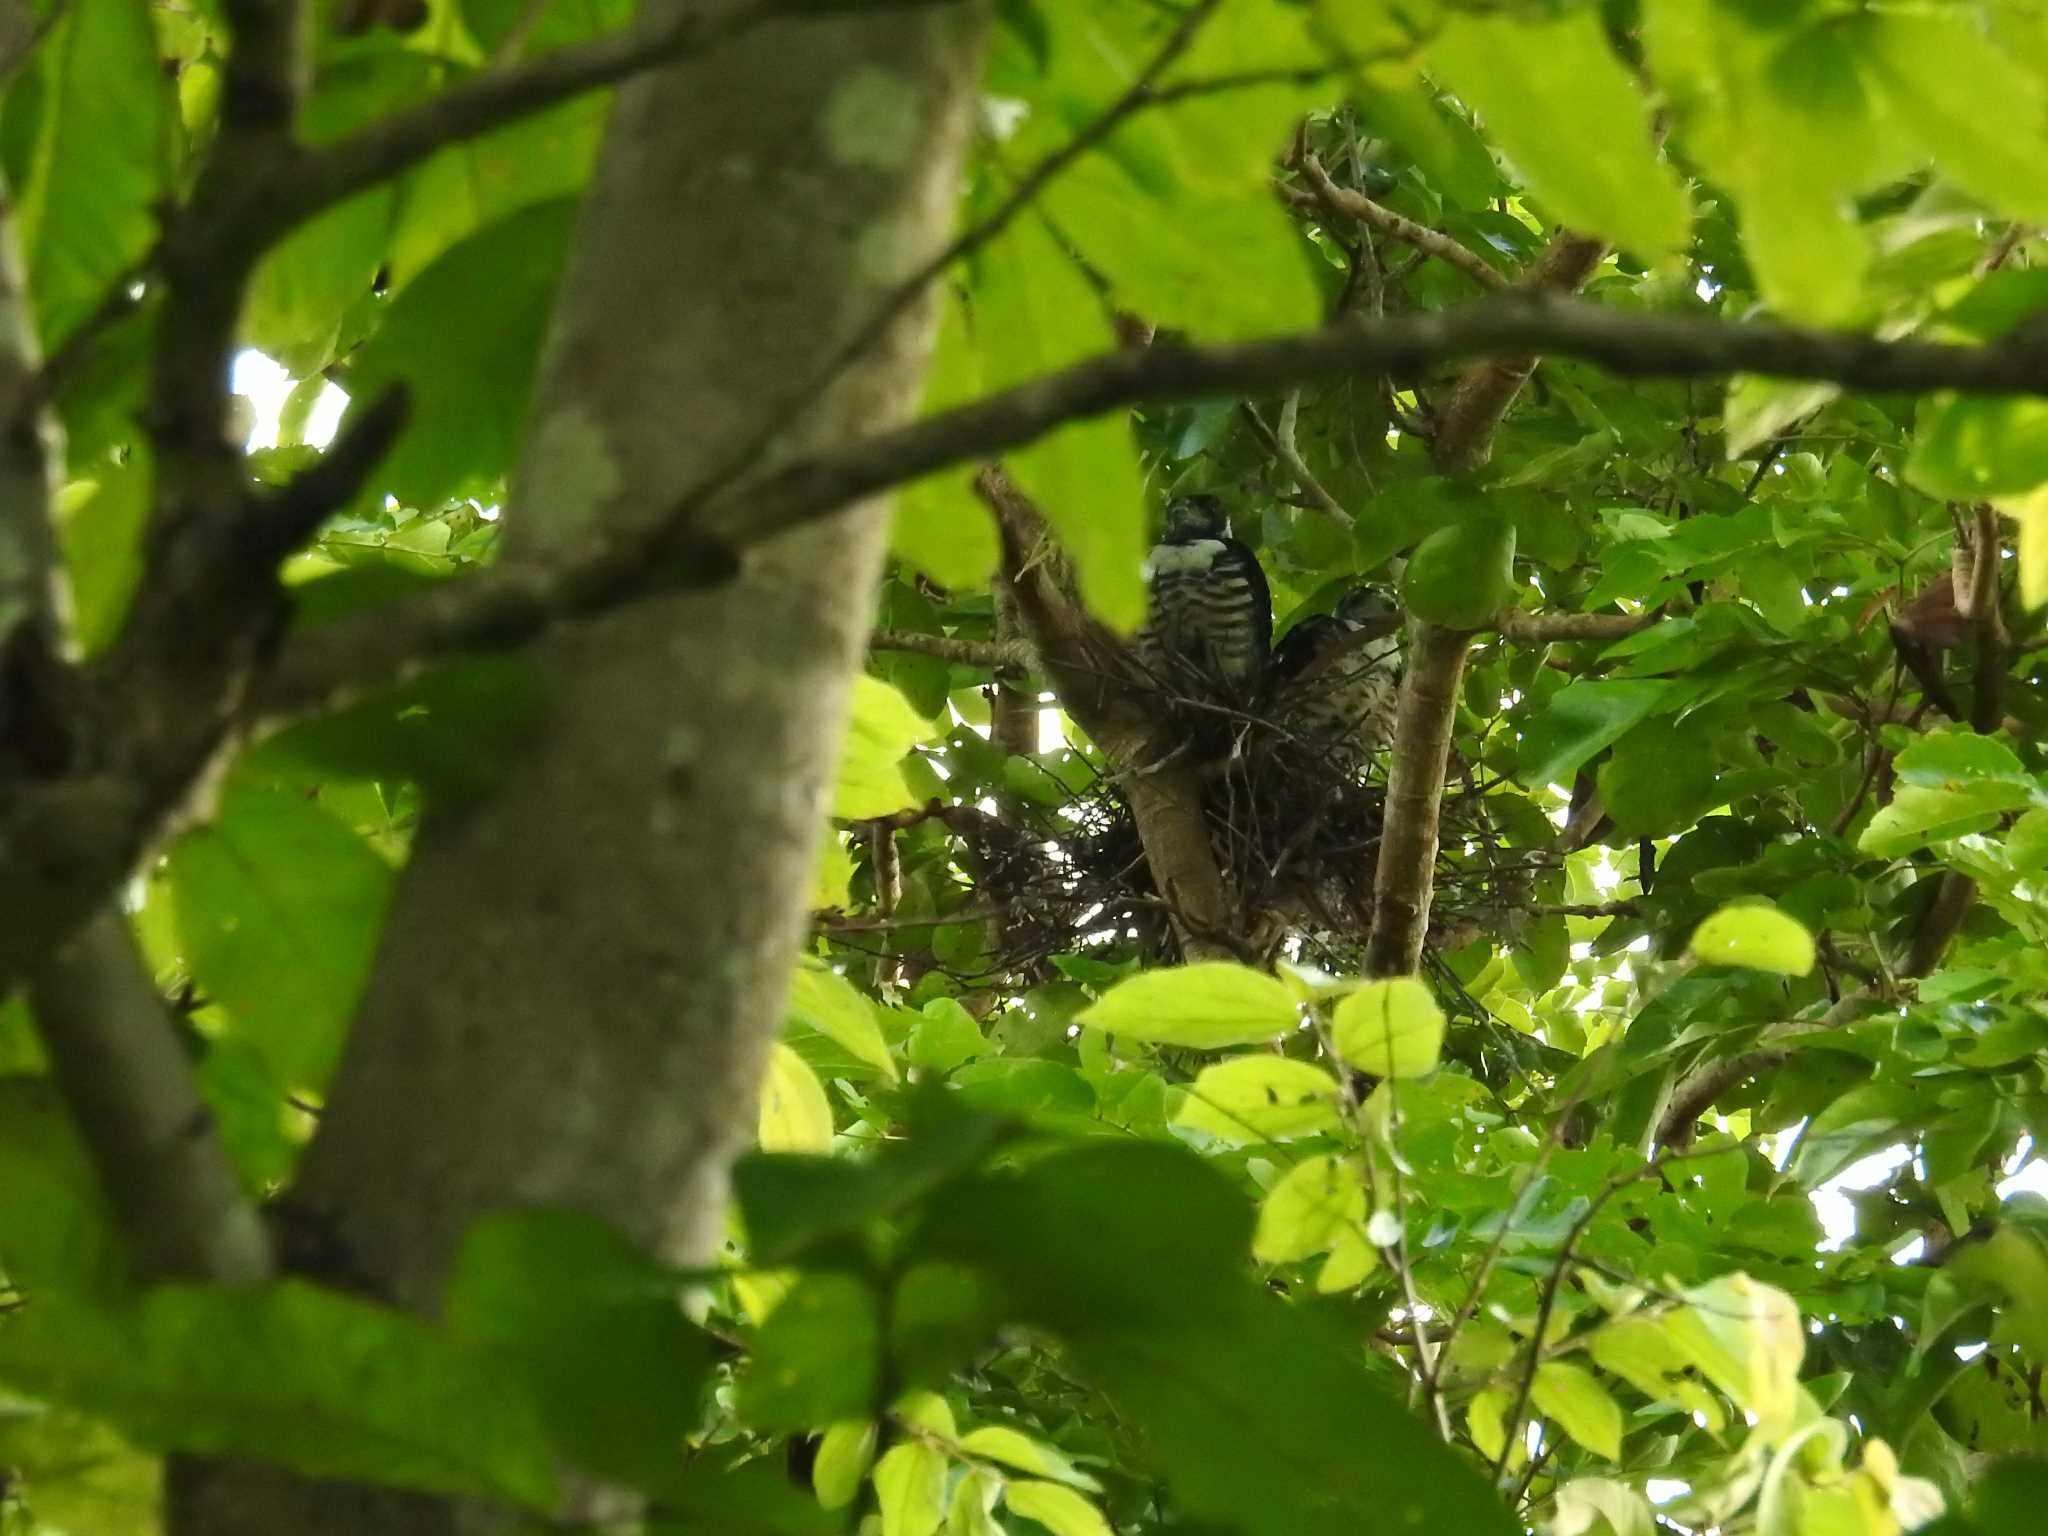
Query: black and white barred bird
{"points": [[1212, 613], [1335, 678]]}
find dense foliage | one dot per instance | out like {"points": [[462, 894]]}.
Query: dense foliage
{"points": [[1060, 1220]]}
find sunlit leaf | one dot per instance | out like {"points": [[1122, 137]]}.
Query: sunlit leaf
{"points": [[1760, 937], [1315, 1201], [1583, 1408], [1260, 1098], [1390, 1028], [1056, 1507], [845, 1452], [1207, 1006], [795, 1114]]}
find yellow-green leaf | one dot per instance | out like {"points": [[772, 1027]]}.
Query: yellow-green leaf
{"points": [[1390, 1028], [1573, 1397], [1556, 99], [1757, 936], [1260, 1098], [926, 1411], [1351, 1259], [1584, 1503], [2030, 511], [1486, 1420], [828, 1003], [795, 1114], [910, 1487], [1205, 1006], [994, 1442], [1745, 1337], [1059, 1509], [845, 1452], [974, 1502], [883, 727], [1317, 1199]]}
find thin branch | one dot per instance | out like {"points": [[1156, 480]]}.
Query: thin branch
{"points": [[1405, 875], [1701, 1089], [124, 1075], [993, 654], [697, 543], [1283, 447], [1342, 202], [1553, 1282]]}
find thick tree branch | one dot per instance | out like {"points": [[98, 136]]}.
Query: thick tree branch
{"points": [[1097, 685], [508, 606], [1562, 628], [993, 654], [1342, 202], [114, 1054], [1406, 871], [502, 96], [128, 1082], [1480, 399]]}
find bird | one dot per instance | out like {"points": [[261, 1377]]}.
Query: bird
{"points": [[1335, 678], [1212, 613]]}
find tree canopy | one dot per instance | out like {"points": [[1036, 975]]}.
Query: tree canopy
{"points": [[1607, 1104]]}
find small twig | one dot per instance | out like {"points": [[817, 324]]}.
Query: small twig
{"points": [[1552, 1284], [1282, 447], [1342, 202], [993, 654]]}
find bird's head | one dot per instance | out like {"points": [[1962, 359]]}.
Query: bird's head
{"points": [[1196, 517], [1369, 609]]}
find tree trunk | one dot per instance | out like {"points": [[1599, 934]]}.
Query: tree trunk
{"points": [[583, 973]]}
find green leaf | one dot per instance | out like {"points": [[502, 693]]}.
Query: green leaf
{"points": [[910, 1487], [1260, 1098], [1917, 815], [88, 203], [596, 1330], [1390, 1028], [1760, 937], [845, 1452], [1581, 719], [1056, 1507], [882, 729], [1316, 1200], [1583, 1408], [818, 1357], [795, 1114], [1207, 1006], [1352, 1258], [101, 533], [1969, 446], [1257, 1413], [995, 1442], [326, 1384], [464, 339], [1585, 1500], [944, 1036], [1951, 759], [1747, 1339], [75, 1474], [940, 526], [1652, 791], [56, 1232], [1937, 68], [1462, 575], [1035, 312], [280, 906], [827, 1002], [1567, 113]]}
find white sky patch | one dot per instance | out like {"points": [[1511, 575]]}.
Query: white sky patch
{"points": [[265, 385], [1837, 1215]]}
